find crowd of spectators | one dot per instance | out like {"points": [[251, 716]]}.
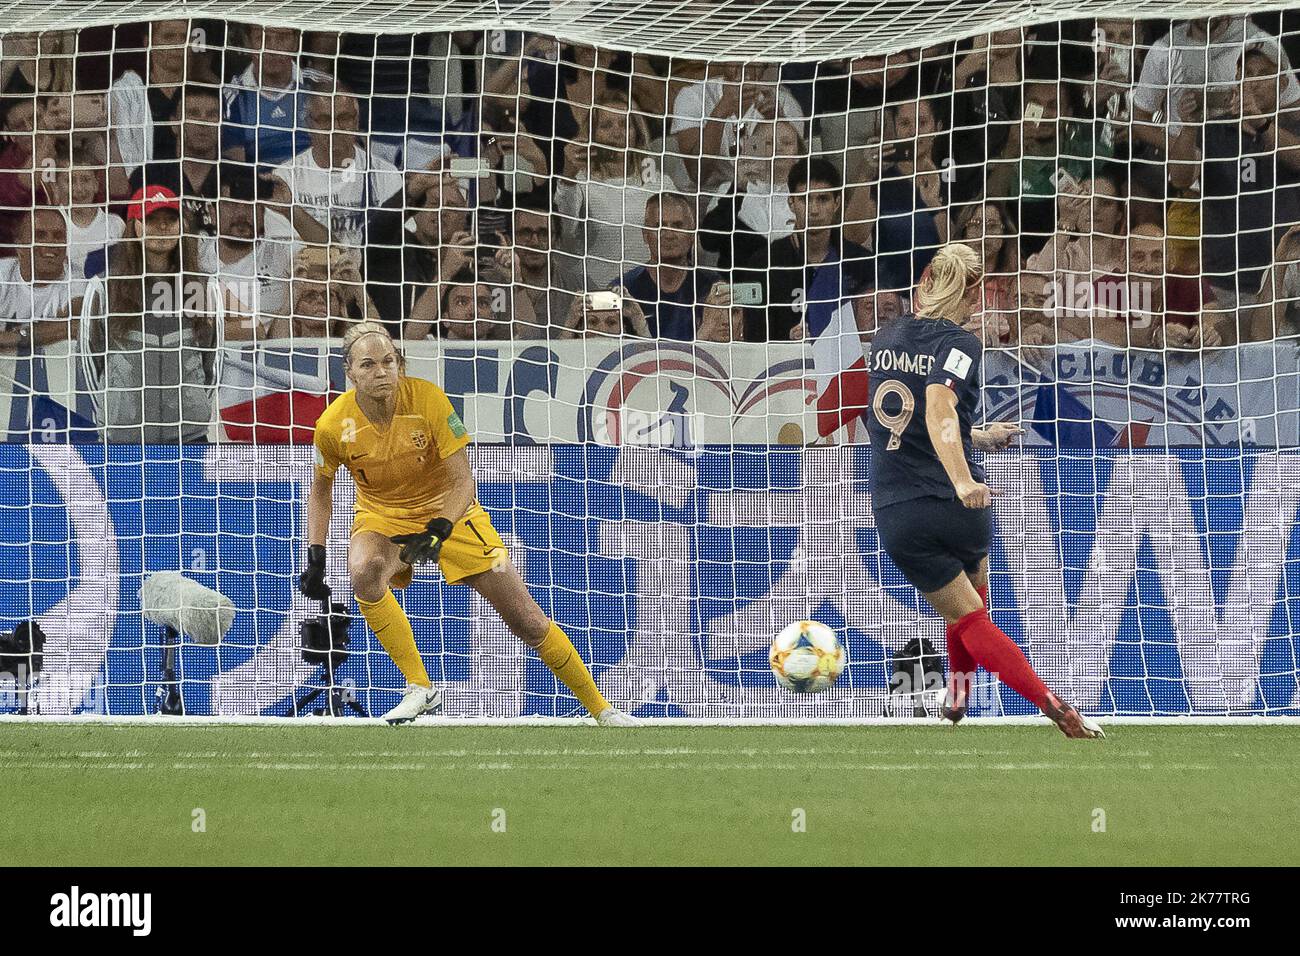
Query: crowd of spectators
{"points": [[1128, 182]]}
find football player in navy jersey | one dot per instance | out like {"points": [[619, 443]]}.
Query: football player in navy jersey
{"points": [[931, 505]]}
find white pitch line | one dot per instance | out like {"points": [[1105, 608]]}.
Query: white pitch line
{"points": [[678, 766], [226, 757], [659, 723], [42, 765]]}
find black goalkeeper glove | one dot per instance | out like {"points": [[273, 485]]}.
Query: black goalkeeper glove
{"points": [[312, 581], [423, 545]]}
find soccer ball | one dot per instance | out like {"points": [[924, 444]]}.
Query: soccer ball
{"points": [[806, 657]]}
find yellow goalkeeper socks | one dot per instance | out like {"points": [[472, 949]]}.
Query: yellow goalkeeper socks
{"points": [[558, 653], [390, 624]]}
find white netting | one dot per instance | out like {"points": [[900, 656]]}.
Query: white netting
{"points": [[644, 248], [775, 30]]}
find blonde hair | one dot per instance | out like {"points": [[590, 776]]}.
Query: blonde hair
{"points": [[359, 330], [953, 270]]}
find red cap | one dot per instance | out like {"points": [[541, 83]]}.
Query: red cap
{"points": [[149, 199]]}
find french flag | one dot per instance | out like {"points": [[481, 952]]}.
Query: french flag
{"points": [[1066, 422], [839, 361], [273, 397]]}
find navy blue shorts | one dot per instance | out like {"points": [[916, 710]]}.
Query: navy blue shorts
{"points": [[932, 540]]}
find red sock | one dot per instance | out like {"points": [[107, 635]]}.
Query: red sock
{"points": [[960, 661], [961, 666], [999, 655]]}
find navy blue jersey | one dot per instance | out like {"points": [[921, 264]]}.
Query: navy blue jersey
{"points": [[908, 354]]}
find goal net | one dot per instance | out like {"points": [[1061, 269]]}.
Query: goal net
{"points": [[644, 248]]}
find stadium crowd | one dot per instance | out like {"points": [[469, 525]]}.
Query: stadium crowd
{"points": [[1129, 182]]}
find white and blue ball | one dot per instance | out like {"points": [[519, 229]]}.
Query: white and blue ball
{"points": [[806, 657]]}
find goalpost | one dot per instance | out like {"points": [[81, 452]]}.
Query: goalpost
{"points": [[679, 475]]}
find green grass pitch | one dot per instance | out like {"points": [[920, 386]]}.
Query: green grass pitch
{"points": [[94, 794]]}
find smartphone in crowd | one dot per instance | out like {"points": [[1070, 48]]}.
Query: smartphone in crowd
{"points": [[604, 302], [744, 293], [470, 167]]}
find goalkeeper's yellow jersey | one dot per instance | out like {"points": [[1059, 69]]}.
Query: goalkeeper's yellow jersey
{"points": [[398, 470]]}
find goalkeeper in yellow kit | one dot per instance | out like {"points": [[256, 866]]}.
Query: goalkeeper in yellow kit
{"points": [[417, 502]]}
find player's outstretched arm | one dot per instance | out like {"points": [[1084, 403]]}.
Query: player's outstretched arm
{"points": [[320, 503], [995, 436], [944, 428]]}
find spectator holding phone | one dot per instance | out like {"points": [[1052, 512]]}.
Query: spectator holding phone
{"points": [[512, 164], [710, 117], [465, 310], [1053, 149], [601, 213], [547, 278], [435, 241], [849, 104], [1059, 281], [722, 319], [1189, 74], [912, 197], [756, 209], [605, 314], [1242, 214], [327, 294]]}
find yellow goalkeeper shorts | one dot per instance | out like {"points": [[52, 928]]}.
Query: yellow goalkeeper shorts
{"points": [[474, 545]]}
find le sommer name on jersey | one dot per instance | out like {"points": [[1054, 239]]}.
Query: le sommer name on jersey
{"points": [[888, 360]]}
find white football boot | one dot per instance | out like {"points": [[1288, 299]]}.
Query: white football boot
{"points": [[1072, 723], [416, 701], [612, 717]]}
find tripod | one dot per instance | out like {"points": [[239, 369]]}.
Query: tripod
{"points": [[168, 694], [23, 685], [336, 702]]}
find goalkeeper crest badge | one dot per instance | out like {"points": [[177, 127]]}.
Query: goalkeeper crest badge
{"points": [[419, 439], [456, 425]]}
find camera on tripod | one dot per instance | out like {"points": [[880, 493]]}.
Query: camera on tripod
{"points": [[22, 648], [22, 654], [324, 641], [325, 637], [917, 679]]}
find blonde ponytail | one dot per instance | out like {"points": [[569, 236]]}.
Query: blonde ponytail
{"points": [[953, 270]]}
